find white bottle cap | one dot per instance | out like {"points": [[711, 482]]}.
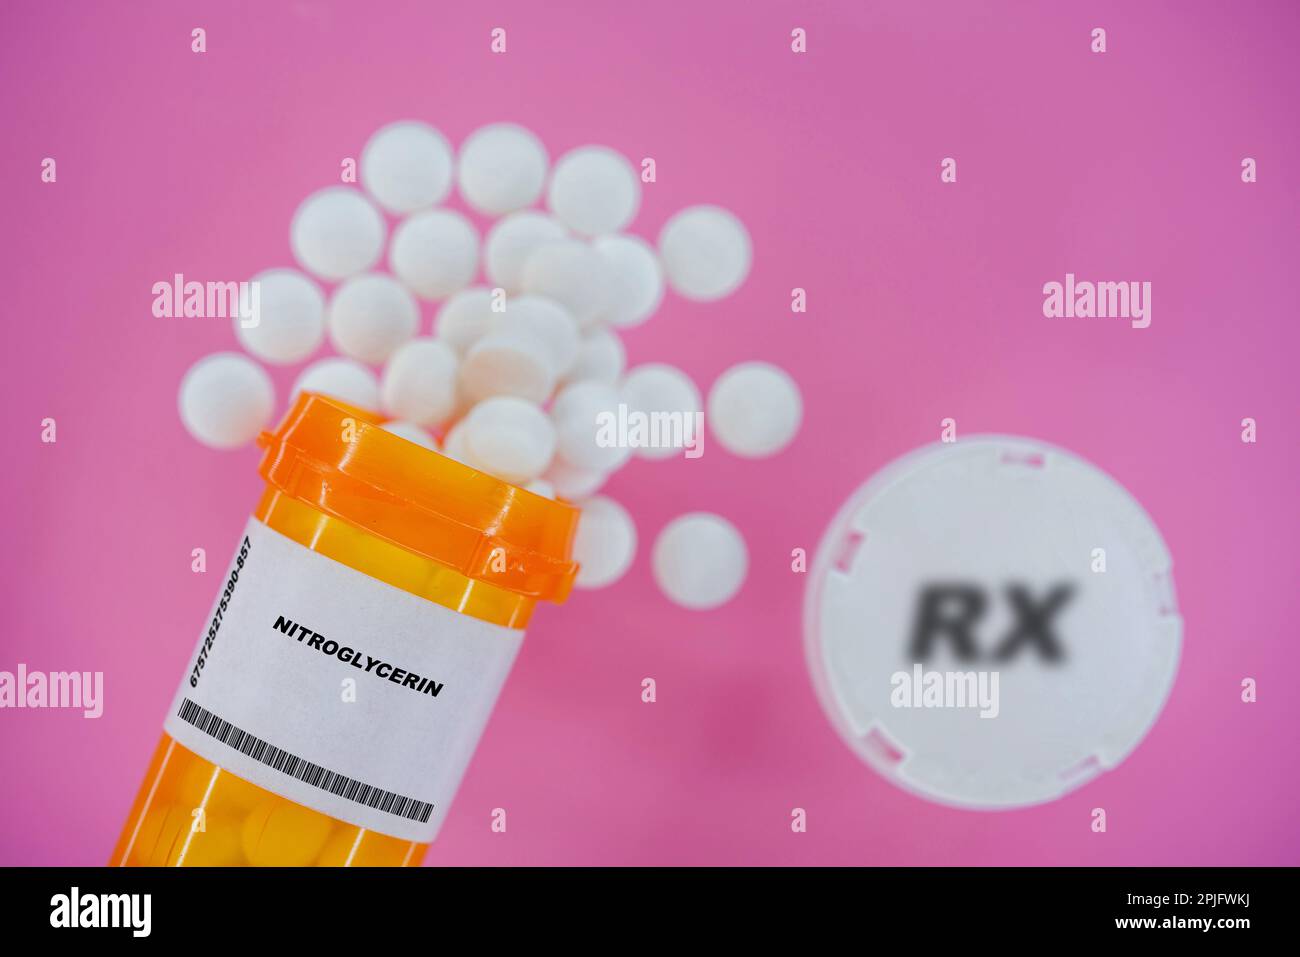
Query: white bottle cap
{"points": [[992, 556]]}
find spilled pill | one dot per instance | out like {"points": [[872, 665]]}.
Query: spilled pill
{"points": [[571, 482], [508, 363], [435, 253], [370, 316], [605, 543], [289, 324], [412, 433], [659, 391], [419, 382], [407, 166], [510, 437], [573, 274], [337, 233], [547, 321], [502, 168], [226, 399], [700, 560], [754, 409], [601, 358], [706, 252], [512, 240], [344, 379], [464, 318], [577, 412], [594, 190], [636, 277]]}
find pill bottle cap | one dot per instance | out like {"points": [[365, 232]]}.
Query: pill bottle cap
{"points": [[992, 559], [339, 460]]}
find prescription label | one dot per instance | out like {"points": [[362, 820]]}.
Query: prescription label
{"points": [[338, 691]]}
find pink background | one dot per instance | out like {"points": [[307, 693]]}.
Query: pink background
{"points": [[925, 302]]}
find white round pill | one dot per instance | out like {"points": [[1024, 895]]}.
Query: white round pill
{"points": [[547, 321], [700, 560], [636, 277], [512, 438], [419, 382], [594, 190], [605, 542], [502, 168], [582, 397], [601, 358], [370, 316], [541, 487], [337, 233], [343, 379], [586, 427], [510, 242], [226, 399], [407, 166], [507, 364], [465, 318], [754, 409], [706, 252], [571, 482], [412, 433], [573, 274], [665, 395], [454, 447], [289, 322], [435, 253]]}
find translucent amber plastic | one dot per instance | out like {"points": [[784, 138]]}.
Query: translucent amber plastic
{"points": [[382, 506], [191, 813]]}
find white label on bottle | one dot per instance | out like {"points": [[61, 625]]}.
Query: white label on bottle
{"points": [[337, 691]]}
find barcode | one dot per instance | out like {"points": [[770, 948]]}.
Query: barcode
{"points": [[302, 769]]}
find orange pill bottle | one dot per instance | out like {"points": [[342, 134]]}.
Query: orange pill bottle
{"points": [[374, 606]]}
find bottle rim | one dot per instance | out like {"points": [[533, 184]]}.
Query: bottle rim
{"points": [[338, 459]]}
